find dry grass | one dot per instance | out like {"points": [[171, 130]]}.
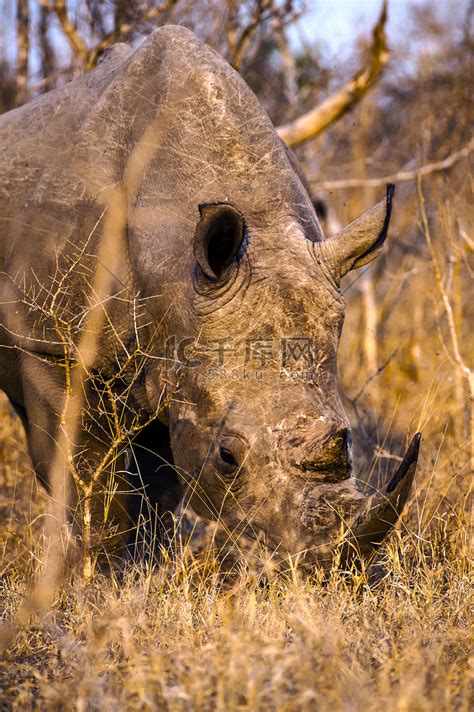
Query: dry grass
{"points": [[176, 640], [180, 641]]}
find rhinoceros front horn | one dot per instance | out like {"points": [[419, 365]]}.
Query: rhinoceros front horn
{"points": [[383, 509]]}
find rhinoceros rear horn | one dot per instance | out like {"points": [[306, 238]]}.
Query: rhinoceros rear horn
{"points": [[218, 238], [383, 509], [360, 242]]}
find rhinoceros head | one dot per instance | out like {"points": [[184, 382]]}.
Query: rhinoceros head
{"points": [[259, 435], [229, 253]]}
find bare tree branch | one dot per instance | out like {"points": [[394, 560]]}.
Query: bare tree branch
{"points": [[401, 177], [314, 122], [241, 36], [125, 28], [239, 43], [58, 7], [88, 56], [289, 65]]}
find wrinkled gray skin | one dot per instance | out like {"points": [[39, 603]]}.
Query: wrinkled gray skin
{"points": [[221, 241]]}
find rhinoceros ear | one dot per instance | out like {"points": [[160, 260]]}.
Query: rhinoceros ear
{"points": [[218, 238], [360, 242]]}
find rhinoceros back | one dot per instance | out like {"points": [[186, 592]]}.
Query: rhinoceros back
{"points": [[32, 136]]}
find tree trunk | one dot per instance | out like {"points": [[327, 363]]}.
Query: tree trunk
{"points": [[23, 50]]}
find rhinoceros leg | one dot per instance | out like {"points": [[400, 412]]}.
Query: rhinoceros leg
{"points": [[43, 389]]}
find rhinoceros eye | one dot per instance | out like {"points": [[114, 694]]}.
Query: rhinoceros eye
{"points": [[227, 457], [219, 236]]}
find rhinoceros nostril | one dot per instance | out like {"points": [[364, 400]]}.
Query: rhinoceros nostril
{"points": [[345, 443], [330, 457]]}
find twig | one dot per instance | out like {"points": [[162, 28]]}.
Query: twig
{"points": [[241, 43], [265, 11], [401, 177], [372, 376]]}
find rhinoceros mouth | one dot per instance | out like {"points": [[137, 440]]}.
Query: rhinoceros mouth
{"points": [[355, 527], [325, 474]]}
